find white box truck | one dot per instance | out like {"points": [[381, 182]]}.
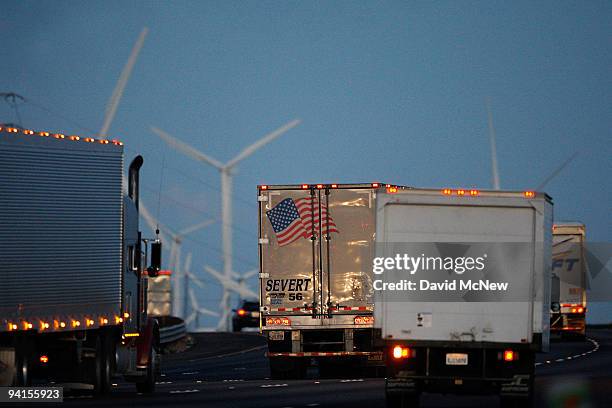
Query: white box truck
{"points": [[569, 303], [72, 280], [316, 295], [473, 335]]}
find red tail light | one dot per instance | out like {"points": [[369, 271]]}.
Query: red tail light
{"points": [[278, 321], [241, 312], [44, 359]]}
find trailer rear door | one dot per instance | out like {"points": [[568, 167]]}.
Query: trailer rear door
{"points": [[315, 250]]}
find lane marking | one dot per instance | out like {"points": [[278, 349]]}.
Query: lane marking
{"points": [[183, 391], [349, 381], [233, 353], [568, 358], [273, 385], [190, 372]]}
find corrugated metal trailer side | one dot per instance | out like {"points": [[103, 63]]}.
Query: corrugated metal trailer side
{"points": [[60, 227]]}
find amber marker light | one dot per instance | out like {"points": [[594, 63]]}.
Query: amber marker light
{"points": [[529, 194], [447, 191]]}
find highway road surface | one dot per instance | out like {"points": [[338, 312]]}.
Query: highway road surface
{"points": [[230, 370]]}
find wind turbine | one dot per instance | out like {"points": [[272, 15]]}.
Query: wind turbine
{"points": [[179, 277], [196, 310], [494, 169], [226, 171]]}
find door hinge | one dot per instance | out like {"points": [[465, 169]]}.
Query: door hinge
{"points": [[264, 241], [262, 198], [264, 275]]}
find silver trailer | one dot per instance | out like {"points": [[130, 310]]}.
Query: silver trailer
{"points": [[465, 339], [316, 244], [569, 303], [72, 283]]}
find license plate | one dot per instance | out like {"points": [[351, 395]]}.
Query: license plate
{"points": [[456, 359], [277, 335], [255, 314]]}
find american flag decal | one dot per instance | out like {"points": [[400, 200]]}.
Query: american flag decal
{"points": [[292, 220]]}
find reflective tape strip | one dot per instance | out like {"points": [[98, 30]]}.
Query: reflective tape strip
{"points": [[323, 354]]}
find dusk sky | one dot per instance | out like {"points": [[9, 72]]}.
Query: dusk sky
{"points": [[387, 91]]}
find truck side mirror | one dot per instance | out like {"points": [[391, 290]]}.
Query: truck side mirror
{"points": [[555, 307], [156, 255]]}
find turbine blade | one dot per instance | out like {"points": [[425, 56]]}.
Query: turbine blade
{"points": [[557, 171], [494, 169], [262, 142], [186, 149], [194, 228], [113, 103]]}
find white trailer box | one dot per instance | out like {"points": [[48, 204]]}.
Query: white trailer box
{"points": [[515, 229]]}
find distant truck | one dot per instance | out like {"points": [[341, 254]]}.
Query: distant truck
{"points": [[569, 307], [464, 341], [72, 282], [316, 243]]}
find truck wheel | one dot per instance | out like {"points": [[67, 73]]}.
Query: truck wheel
{"points": [[402, 400], [147, 385], [23, 366], [104, 364]]}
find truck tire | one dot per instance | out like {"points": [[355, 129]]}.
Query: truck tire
{"points": [[23, 365], [147, 384], [402, 400], [285, 369], [104, 366]]}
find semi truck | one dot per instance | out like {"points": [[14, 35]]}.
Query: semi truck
{"points": [[478, 337], [72, 278], [316, 243], [569, 303]]}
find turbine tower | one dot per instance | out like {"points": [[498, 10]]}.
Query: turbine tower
{"points": [[226, 171]]}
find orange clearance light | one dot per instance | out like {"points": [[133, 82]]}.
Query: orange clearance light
{"points": [[401, 352], [44, 325], [241, 312], [319, 185], [117, 142], [28, 132], [447, 191], [27, 325], [12, 326], [44, 359], [529, 194], [11, 130], [43, 134], [304, 186], [263, 187], [392, 189], [62, 324], [59, 136], [375, 185], [103, 320], [103, 141], [89, 322], [76, 323], [126, 315], [509, 355], [474, 192], [364, 320], [278, 321], [460, 192], [118, 319], [89, 139], [74, 137], [334, 186]]}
